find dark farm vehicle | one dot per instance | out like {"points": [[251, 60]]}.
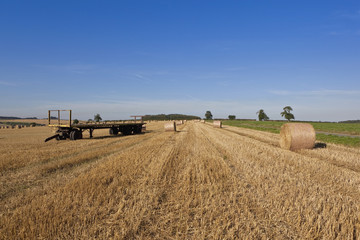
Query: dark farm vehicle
{"points": [[75, 131]]}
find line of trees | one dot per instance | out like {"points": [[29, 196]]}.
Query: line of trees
{"points": [[286, 113]]}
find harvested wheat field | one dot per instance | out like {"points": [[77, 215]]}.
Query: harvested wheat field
{"points": [[200, 182]]}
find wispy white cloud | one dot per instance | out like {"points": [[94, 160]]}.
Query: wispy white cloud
{"points": [[79, 68], [9, 84], [350, 15], [142, 77], [323, 92], [241, 68]]}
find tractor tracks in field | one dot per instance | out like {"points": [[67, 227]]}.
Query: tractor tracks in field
{"points": [[349, 170], [286, 181], [346, 158], [36, 175]]}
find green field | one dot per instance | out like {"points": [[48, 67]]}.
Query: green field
{"points": [[336, 128]]}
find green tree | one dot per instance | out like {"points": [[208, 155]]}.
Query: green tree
{"points": [[208, 115], [262, 115], [232, 117], [97, 118], [75, 121], [287, 113]]}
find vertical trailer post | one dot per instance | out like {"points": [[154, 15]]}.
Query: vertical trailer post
{"points": [[70, 118]]}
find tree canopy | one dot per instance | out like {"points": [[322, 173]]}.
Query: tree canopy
{"points": [[262, 115], [287, 113], [97, 118], [232, 117], [208, 115]]}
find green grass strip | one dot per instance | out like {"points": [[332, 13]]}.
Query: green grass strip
{"points": [[274, 127]]}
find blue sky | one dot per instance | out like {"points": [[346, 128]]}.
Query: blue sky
{"points": [[120, 58]]}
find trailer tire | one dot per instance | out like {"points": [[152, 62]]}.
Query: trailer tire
{"points": [[73, 135], [113, 131], [126, 131], [137, 129], [79, 134]]}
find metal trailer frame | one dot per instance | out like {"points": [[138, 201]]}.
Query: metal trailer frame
{"points": [[74, 131]]}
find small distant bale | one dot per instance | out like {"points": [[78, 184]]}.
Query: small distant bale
{"points": [[170, 127], [17, 126], [202, 121], [217, 124], [7, 127], [295, 136], [180, 122]]}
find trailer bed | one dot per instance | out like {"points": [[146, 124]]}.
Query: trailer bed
{"points": [[74, 131]]}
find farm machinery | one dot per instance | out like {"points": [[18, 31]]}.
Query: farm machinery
{"points": [[75, 131]]}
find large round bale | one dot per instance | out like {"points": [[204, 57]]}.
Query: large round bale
{"points": [[170, 127], [217, 124], [295, 136]]}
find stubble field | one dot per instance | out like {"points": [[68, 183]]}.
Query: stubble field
{"points": [[197, 183]]}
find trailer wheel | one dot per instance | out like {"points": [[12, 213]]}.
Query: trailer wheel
{"points": [[73, 135], [79, 134], [113, 131], [137, 129], [126, 131]]}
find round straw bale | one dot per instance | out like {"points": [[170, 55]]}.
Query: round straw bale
{"points": [[18, 126], [217, 124], [180, 122], [294, 136], [203, 121], [170, 127]]}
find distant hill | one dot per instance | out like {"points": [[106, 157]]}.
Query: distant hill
{"points": [[12, 118], [2, 117], [161, 117], [350, 121]]}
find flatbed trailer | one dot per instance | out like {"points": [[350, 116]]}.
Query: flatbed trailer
{"points": [[74, 131]]}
